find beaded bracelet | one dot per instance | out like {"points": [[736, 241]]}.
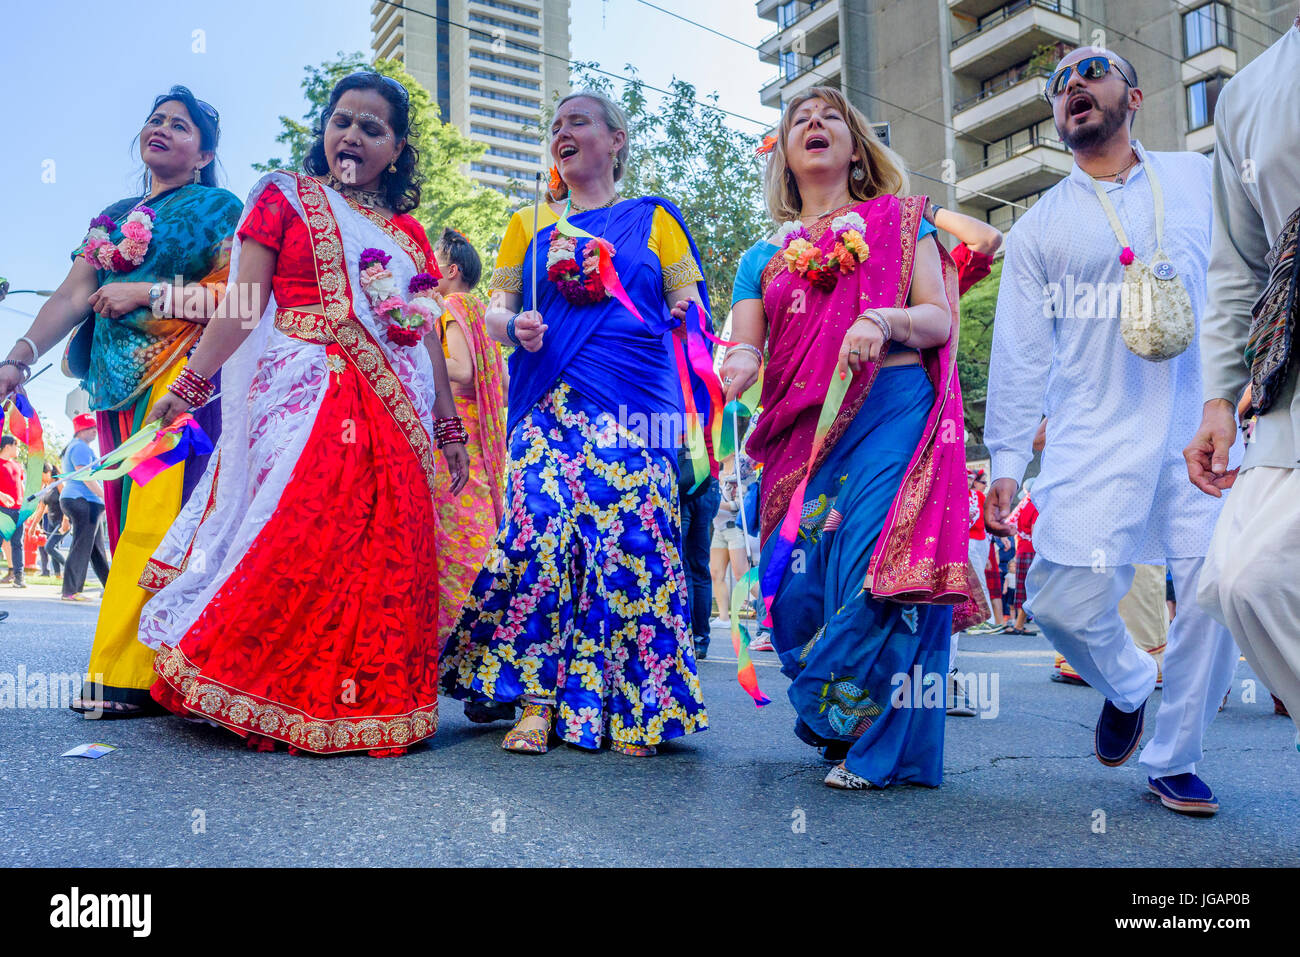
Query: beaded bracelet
{"points": [[449, 431], [510, 332], [23, 368]]}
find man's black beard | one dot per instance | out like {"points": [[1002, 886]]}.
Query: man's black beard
{"points": [[1090, 137]]}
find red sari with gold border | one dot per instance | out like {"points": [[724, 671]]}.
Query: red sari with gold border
{"points": [[298, 595]]}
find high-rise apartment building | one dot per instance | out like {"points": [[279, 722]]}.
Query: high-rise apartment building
{"points": [[960, 82], [491, 65]]}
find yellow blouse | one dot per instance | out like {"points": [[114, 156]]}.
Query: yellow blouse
{"points": [[667, 241]]}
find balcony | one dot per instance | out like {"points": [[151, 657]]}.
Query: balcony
{"points": [[1012, 35], [819, 25], [820, 70], [1015, 171], [1009, 106], [1218, 59], [974, 8]]}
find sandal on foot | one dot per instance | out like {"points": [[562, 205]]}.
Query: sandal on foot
{"points": [[99, 710], [536, 741], [844, 779], [634, 750]]}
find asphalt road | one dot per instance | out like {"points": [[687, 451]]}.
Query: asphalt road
{"points": [[1021, 788]]}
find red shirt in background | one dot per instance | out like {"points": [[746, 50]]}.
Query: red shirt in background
{"points": [[971, 266], [11, 484], [1028, 514]]}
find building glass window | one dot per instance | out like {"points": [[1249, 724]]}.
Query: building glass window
{"points": [[789, 64], [1201, 99], [1207, 27], [787, 13]]}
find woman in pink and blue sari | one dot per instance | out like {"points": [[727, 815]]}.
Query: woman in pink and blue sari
{"points": [[863, 514]]}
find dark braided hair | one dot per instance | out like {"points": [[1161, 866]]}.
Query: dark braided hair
{"points": [[460, 251], [401, 190]]}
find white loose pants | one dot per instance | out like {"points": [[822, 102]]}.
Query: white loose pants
{"points": [[1251, 579], [1078, 610]]}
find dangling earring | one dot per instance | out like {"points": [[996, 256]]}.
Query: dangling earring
{"points": [[616, 163], [858, 174], [198, 172], [392, 167]]}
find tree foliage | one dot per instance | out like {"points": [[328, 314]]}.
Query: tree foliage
{"points": [[449, 197], [682, 150]]}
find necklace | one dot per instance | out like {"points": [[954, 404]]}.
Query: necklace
{"points": [[369, 198], [827, 213], [1115, 176], [586, 209]]}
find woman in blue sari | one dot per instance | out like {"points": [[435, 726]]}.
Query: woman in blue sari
{"points": [[580, 613]]}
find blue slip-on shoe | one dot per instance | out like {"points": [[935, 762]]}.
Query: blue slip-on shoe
{"points": [[1117, 734], [1184, 793]]}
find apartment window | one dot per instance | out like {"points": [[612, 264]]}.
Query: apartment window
{"points": [[1011, 9], [1040, 134], [511, 7], [787, 13], [505, 61], [1201, 99], [501, 114], [1207, 27], [789, 64], [501, 78], [478, 129], [512, 154], [1004, 217], [503, 24], [503, 97]]}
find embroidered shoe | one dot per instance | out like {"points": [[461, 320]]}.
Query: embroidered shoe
{"points": [[536, 741], [845, 780], [1184, 793], [1118, 734]]}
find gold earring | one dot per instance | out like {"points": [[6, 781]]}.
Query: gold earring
{"points": [[198, 172], [392, 167]]}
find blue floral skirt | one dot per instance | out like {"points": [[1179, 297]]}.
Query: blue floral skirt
{"points": [[582, 599]]}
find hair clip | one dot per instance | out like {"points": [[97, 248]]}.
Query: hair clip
{"points": [[768, 144]]}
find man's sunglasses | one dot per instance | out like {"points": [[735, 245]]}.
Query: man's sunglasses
{"points": [[1089, 68]]}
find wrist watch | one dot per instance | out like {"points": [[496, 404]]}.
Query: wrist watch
{"points": [[158, 292]]}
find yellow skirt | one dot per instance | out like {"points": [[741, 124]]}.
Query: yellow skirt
{"points": [[121, 668]]}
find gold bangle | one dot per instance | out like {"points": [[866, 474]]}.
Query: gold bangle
{"points": [[907, 338]]}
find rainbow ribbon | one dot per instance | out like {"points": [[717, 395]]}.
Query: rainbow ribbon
{"points": [[746, 674], [149, 452], [604, 259], [783, 550], [22, 422]]}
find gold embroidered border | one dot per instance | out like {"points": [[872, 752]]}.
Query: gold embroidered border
{"points": [[395, 233], [246, 712], [305, 326], [682, 273], [158, 575], [507, 279], [353, 337]]}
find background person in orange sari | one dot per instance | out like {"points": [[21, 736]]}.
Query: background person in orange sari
{"points": [[467, 520]]}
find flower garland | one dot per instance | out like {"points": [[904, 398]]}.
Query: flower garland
{"points": [[802, 256], [137, 231], [408, 321], [581, 286]]}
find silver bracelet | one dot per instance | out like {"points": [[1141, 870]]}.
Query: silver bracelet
{"points": [[36, 353], [746, 347], [886, 330]]}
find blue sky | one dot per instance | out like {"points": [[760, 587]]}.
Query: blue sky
{"points": [[77, 79]]}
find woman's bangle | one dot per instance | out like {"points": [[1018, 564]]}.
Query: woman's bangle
{"points": [[449, 431], [510, 331], [36, 353], [746, 347], [192, 389], [907, 338], [23, 368], [881, 323]]}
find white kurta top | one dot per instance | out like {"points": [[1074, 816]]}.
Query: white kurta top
{"points": [[1113, 488]]}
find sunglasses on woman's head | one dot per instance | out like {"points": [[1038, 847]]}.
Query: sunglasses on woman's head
{"points": [[1089, 68], [406, 96], [177, 91]]}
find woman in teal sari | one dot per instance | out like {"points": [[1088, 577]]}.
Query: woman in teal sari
{"points": [[150, 271], [863, 489]]}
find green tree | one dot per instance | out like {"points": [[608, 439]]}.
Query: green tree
{"points": [[977, 309], [449, 197], [682, 149]]}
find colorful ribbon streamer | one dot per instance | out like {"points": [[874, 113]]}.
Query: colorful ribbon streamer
{"points": [[783, 550], [746, 674], [22, 422], [148, 452], [604, 259]]}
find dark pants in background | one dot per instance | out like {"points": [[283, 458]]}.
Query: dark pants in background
{"points": [[51, 557], [16, 557], [87, 544], [698, 509]]}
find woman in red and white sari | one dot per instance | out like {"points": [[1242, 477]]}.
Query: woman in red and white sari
{"points": [[298, 591]]}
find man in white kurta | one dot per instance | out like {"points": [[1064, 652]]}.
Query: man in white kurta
{"points": [[1251, 581], [1113, 489]]}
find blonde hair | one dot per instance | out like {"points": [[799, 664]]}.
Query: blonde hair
{"points": [[885, 172]]}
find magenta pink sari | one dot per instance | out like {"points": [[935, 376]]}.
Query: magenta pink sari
{"points": [[921, 553]]}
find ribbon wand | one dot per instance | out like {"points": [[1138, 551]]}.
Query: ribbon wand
{"points": [[537, 204]]}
